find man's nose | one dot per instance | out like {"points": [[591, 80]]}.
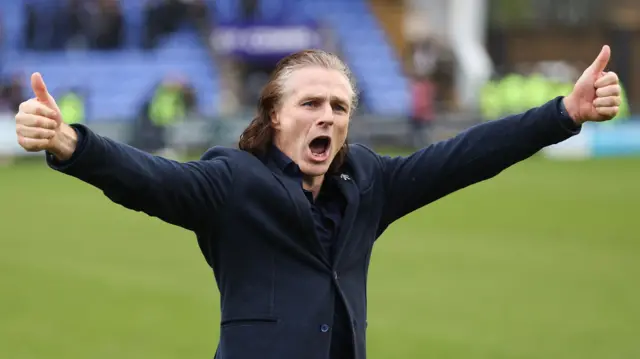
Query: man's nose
{"points": [[327, 116]]}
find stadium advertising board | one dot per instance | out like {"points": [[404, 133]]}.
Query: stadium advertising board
{"points": [[599, 140], [265, 41], [595, 140], [8, 140]]}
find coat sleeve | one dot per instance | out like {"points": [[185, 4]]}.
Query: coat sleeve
{"points": [[188, 194], [477, 154]]}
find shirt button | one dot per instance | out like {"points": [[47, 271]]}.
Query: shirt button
{"points": [[324, 328]]}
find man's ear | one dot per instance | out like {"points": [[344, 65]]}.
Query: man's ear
{"points": [[275, 119]]}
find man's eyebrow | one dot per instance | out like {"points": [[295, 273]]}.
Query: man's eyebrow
{"points": [[335, 99], [340, 100]]}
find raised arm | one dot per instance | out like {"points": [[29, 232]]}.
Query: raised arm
{"points": [[184, 194], [476, 154], [485, 150]]}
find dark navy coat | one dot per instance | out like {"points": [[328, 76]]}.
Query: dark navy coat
{"points": [[255, 229]]}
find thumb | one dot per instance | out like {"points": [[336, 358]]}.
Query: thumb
{"points": [[42, 94], [601, 62], [40, 89]]}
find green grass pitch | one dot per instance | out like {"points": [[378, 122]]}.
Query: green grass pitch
{"points": [[540, 262]]}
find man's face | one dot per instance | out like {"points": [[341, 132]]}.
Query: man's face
{"points": [[312, 120]]}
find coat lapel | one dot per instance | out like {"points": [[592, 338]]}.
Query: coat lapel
{"points": [[302, 209], [350, 190]]}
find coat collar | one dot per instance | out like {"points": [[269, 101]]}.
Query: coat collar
{"points": [[288, 174]]}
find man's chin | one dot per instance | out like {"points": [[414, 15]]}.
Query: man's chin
{"points": [[315, 169]]}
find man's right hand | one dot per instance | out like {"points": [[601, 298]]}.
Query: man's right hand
{"points": [[39, 124]]}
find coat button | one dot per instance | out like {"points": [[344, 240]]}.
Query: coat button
{"points": [[335, 275], [324, 328]]}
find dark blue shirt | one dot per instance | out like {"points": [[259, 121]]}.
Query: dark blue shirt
{"points": [[327, 210]]}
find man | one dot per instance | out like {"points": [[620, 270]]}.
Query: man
{"points": [[171, 102], [287, 222], [72, 106], [423, 95]]}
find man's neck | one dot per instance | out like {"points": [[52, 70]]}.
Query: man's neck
{"points": [[313, 184]]}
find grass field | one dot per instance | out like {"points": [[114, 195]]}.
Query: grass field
{"points": [[541, 262]]}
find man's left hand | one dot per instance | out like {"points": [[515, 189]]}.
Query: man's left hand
{"points": [[596, 94]]}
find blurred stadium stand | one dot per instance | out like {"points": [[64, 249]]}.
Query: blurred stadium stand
{"points": [[117, 82], [447, 46], [363, 41], [363, 44]]}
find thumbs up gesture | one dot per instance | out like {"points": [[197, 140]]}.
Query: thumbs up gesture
{"points": [[39, 124], [596, 94]]}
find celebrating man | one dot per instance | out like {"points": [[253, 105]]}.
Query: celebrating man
{"points": [[288, 220]]}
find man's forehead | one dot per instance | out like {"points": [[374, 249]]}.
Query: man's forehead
{"points": [[319, 83], [321, 93]]}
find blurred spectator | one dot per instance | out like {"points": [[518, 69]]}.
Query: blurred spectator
{"points": [[107, 25], [249, 9], [72, 106], [423, 110], [163, 17], [55, 25], [39, 25], [173, 100], [11, 94], [431, 58], [423, 57], [29, 26], [73, 27], [255, 79], [2, 31]]}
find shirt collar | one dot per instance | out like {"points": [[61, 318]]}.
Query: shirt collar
{"points": [[284, 163], [290, 168]]}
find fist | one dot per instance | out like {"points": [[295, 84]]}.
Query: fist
{"points": [[38, 119], [596, 94]]}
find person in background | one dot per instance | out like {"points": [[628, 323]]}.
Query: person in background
{"points": [[72, 106], [12, 93], [73, 26], [164, 17], [107, 25], [249, 9], [40, 24], [423, 93], [171, 101]]}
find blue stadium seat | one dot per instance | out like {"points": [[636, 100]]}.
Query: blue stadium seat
{"points": [[366, 49], [224, 10], [117, 82], [273, 10]]}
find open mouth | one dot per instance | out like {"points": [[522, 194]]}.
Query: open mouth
{"points": [[319, 147]]}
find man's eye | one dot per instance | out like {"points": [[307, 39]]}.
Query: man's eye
{"points": [[339, 108], [309, 103]]}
